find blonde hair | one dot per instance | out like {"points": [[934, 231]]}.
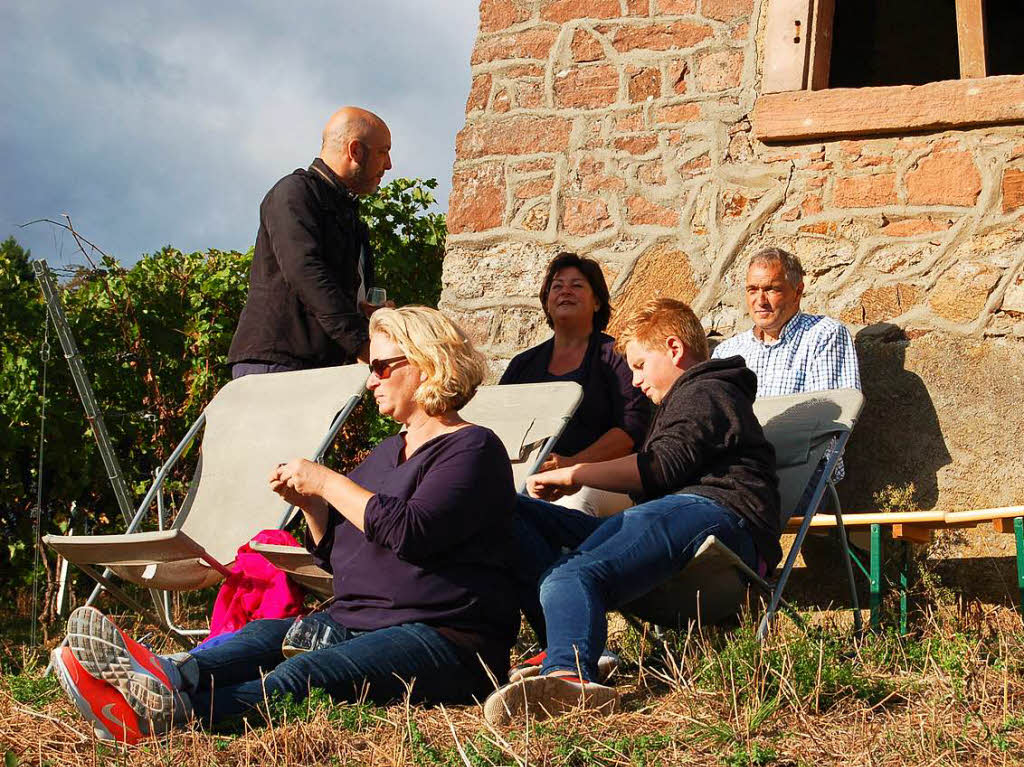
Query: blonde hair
{"points": [[453, 369], [658, 319]]}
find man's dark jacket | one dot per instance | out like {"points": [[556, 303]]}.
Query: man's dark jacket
{"points": [[705, 440], [302, 308]]}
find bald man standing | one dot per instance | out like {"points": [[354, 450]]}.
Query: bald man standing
{"points": [[312, 265]]}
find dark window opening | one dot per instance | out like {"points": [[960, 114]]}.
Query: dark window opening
{"points": [[1004, 44], [895, 42]]}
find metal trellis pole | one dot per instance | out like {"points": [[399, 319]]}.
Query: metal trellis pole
{"points": [[92, 411]]}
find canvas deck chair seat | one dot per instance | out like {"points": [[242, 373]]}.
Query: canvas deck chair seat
{"points": [[528, 419], [713, 585], [252, 423]]}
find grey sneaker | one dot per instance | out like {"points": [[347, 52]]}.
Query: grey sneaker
{"points": [[140, 675], [542, 697]]}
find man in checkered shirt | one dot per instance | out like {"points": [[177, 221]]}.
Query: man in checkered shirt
{"points": [[790, 351]]}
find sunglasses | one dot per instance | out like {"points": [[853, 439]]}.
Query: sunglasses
{"points": [[382, 368]]}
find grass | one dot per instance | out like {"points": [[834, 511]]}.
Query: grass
{"points": [[952, 694]]}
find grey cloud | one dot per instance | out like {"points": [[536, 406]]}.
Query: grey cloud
{"points": [[166, 123]]}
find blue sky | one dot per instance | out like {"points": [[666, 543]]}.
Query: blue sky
{"points": [[165, 123]]}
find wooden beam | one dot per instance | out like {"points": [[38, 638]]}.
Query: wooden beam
{"points": [[970, 34], [786, 46], [912, 533], [822, 19], [807, 115]]}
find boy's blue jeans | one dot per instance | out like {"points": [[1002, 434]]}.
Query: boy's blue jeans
{"points": [[609, 563], [238, 675]]}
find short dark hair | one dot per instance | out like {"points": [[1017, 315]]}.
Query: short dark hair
{"points": [[592, 271], [790, 264]]}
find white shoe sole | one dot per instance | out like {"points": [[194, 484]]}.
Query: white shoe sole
{"points": [[98, 645], [546, 696], [64, 678]]}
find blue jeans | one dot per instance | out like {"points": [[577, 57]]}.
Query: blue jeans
{"points": [[231, 681], [622, 558]]}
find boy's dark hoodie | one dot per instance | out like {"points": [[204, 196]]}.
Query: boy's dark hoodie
{"points": [[705, 440]]}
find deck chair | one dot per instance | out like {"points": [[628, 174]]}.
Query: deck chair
{"points": [[528, 419], [713, 585], [250, 425]]}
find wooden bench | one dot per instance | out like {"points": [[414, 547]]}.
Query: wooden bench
{"points": [[919, 527]]}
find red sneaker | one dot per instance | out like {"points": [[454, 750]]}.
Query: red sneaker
{"points": [[108, 654], [607, 665], [102, 705], [529, 667]]}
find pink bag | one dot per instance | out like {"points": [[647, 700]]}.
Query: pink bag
{"points": [[255, 589]]}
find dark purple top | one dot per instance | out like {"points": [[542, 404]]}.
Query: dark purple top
{"points": [[436, 547], [609, 397]]}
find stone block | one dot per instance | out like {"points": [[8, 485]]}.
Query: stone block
{"points": [[651, 173], [585, 47], [642, 212], [640, 144], [535, 217], [719, 70], [587, 87], [661, 37], [678, 7], [561, 11], [629, 122], [496, 15], [477, 200], [676, 114], [513, 136], [529, 95], [1013, 299], [910, 227], [698, 166], [727, 10], [962, 291], [660, 271], [516, 328], [865, 191], [582, 216], [644, 83], [479, 93], [533, 188], [677, 74], [734, 204], [881, 303], [528, 44], [1013, 189], [595, 176], [944, 178]]}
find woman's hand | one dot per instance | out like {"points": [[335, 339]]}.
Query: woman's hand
{"points": [[552, 485], [300, 482]]}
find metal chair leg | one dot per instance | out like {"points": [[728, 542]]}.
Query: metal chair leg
{"points": [[844, 544]]}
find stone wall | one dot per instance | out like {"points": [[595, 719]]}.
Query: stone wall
{"points": [[620, 129]]}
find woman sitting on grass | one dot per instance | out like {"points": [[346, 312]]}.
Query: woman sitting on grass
{"points": [[417, 538]]}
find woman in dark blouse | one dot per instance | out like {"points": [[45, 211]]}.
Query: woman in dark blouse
{"points": [[417, 538], [613, 416]]}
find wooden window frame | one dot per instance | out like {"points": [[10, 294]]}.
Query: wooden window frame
{"points": [[796, 104]]}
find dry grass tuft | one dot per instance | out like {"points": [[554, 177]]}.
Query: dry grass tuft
{"points": [[953, 694]]}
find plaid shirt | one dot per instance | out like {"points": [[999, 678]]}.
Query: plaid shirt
{"points": [[813, 353]]}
